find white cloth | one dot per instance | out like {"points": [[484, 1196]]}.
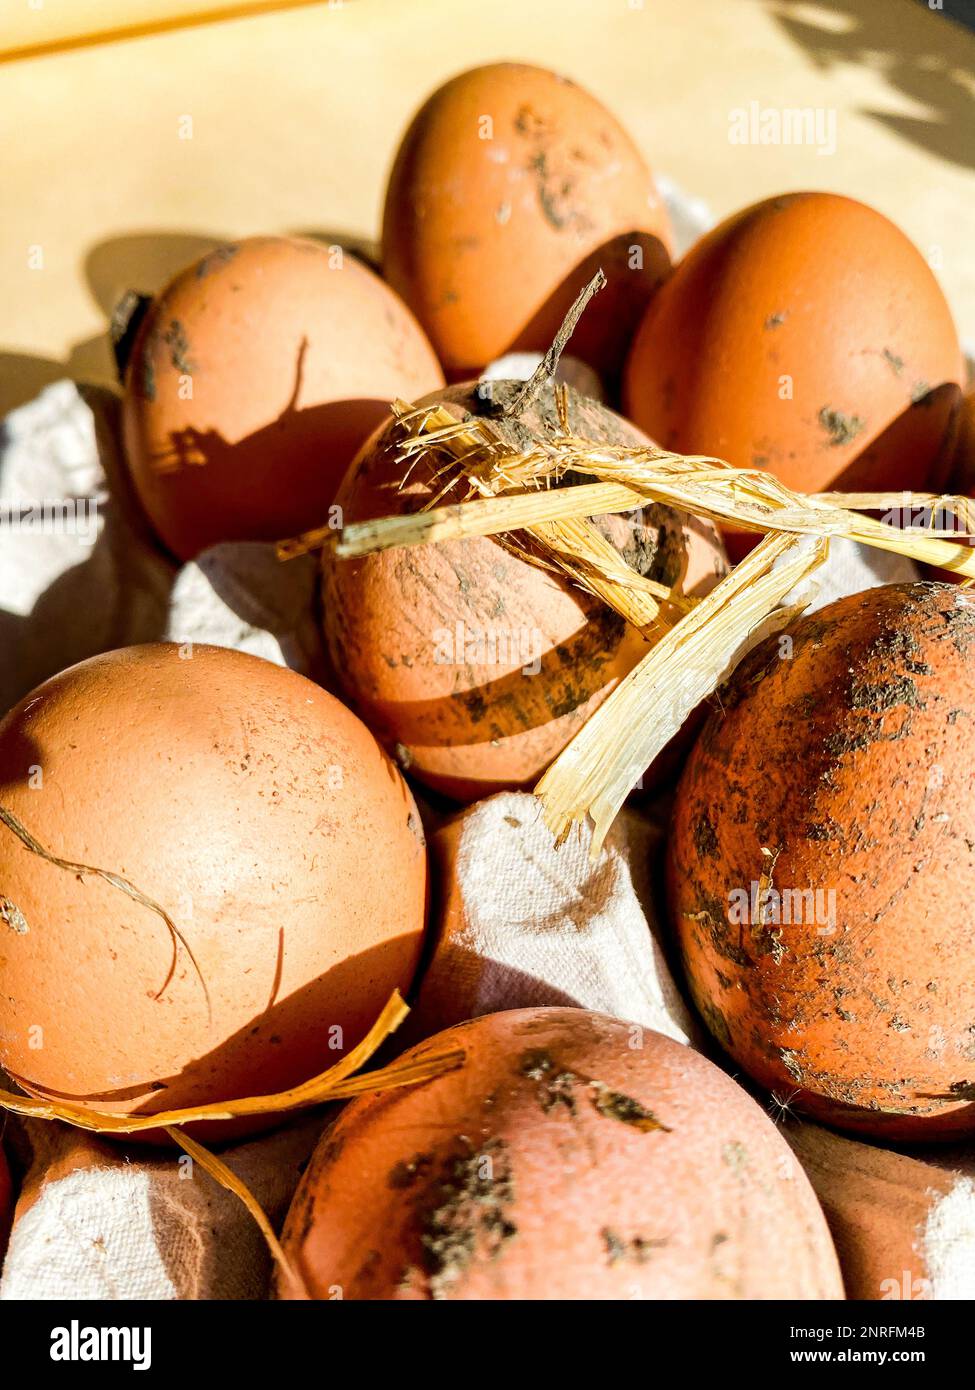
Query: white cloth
{"points": [[524, 925], [70, 589], [97, 1221], [850, 569]]}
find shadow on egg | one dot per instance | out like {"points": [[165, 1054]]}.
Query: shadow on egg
{"points": [[313, 448], [471, 723], [604, 333], [889, 463], [285, 1045], [888, 1128], [634, 264], [301, 457]]}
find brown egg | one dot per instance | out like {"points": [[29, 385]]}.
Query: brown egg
{"points": [[255, 376], [822, 863], [511, 187], [261, 816], [901, 1223], [572, 1156], [473, 666], [805, 336]]}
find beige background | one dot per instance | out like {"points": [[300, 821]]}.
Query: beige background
{"points": [[296, 114]]}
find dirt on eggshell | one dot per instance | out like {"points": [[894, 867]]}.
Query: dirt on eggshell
{"points": [[511, 187], [572, 1156], [472, 665], [805, 336], [822, 864]]}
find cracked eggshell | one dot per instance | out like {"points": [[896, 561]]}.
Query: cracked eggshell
{"points": [[511, 187], [840, 768], [572, 1156], [806, 336], [266, 821], [473, 666], [254, 378]]}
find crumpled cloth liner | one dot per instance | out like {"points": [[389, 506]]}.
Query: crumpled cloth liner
{"points": [[97, 1220], [521, 925], [65, 597]]}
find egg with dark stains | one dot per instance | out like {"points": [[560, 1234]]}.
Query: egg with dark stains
{"points": [[511, 187], [808, 337], [254, 378], [211, 880], [473, 665], [572, 1156], [822, 864]]}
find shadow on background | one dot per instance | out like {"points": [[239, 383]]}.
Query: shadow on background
{"points": [[142, 261], [920, 59]]}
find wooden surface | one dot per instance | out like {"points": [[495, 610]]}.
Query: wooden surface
{"points": [[296, 114]]}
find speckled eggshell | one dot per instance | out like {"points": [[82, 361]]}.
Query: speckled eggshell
{"points": [[262, 816], [806, 336], [254, 378], [511, 187], [843, 771], [573, 1156], [410, 630]]}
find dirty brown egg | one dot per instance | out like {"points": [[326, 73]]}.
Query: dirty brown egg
{"points": [[572, 1156], [473, 666], [808, 337], [254, 811], [822, 863], [511, 187], [254, 378]]}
